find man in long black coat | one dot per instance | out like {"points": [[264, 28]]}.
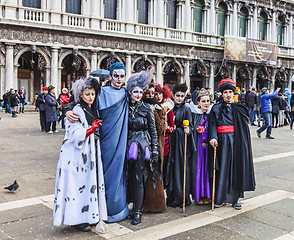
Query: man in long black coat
{"points": [[230, 133]]}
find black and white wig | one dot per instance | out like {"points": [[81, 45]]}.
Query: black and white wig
{"points": [[180, 87], [81, 84], [141, 79]]}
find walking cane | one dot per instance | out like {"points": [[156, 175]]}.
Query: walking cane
{"points": [[165, 108], [213, 181], [185, 123]]}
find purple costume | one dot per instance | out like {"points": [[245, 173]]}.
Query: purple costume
{"points": [[202, 188]]}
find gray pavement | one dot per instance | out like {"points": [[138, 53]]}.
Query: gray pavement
{"points": [[30, 156]]}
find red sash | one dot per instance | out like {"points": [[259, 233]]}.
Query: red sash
{"points": [[225, 129]]}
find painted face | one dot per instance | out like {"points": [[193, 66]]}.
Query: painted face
{"points": [[159, 96], [179, 97], [88, 96], [228, 95], [149, 93], [64, 92], [45, 92], [118, 78], [136, 94], [204, 103]]}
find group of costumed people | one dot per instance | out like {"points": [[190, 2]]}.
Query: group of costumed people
{"points": [[127, 144]]}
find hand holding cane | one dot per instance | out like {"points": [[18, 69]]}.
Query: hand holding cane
{"points": [[213, 181], [185, 123]]}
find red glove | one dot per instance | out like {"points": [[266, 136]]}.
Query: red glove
{"points": [[92, 129]]}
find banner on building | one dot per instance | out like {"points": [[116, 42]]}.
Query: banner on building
{"points": [[250, 50]]}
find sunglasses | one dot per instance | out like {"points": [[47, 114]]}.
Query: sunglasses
{"points": [[115, 75], [180, 96]]}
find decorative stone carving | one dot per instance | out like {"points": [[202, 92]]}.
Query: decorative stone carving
{"points": [[17, 48], [47, 51]]}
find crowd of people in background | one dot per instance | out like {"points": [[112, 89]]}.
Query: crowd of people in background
{"points": [[51, 109], [14, 101]]}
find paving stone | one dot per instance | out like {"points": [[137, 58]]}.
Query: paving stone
{"points": [[251, 228], [24, 213], [210, 232], [284, 207], [271, 218]]}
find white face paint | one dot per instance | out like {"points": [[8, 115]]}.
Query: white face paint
{"points": [[136, 94], [118, 78], [179, 97]]}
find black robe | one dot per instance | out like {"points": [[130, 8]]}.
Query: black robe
{"points": [[234, 163], [175, 165]]}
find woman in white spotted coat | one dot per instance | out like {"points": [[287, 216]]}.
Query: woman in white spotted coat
{"points": [[79, 189]]}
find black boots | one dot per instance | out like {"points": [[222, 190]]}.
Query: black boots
{"points": [[136, 214], [13, 114]]}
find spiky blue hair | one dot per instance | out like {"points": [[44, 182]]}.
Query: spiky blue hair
{"points": [[116, 65]]}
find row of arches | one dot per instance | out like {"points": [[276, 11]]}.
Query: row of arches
{"points": [[33, 70]]}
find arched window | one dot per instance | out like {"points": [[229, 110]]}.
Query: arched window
{"points": [[73, 6], [262, 26], [110, 9], [221, 19], [171, 13], [281, 30], [142, 7], [243, 22], [198, 10], [32, 3]]}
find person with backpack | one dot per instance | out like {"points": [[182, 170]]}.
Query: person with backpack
{"points": [[282, 107]]}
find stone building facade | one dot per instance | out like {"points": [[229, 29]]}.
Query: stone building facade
{"points": [[54, 42]]}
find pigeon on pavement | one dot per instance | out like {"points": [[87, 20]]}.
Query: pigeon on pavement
{"points": [[13, 187]]}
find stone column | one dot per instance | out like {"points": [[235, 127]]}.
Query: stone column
{"points": [[10, 9], [212, 17], [290, 31], [54, 68], [63, 5], [93, 61], [55, 15], [211, 77], [47, 77], [291, 79], [129, 15], [31, 86], [234, 74], [159, 77], [187, 74], [254, 24], [95, 8], [204, 23], [44, 4], [128, 66], [15, 77], [9, 67], [235, 18], [273, 80], [159, 9], [254, 75], [274, 27], [2, 80]]}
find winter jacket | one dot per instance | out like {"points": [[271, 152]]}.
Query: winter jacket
{"points": [[275, 104], [22, 98], [14, 101], [40, 101], [50, 108], [283, 103], [289, 95], [266, 104], [251, 99]]}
